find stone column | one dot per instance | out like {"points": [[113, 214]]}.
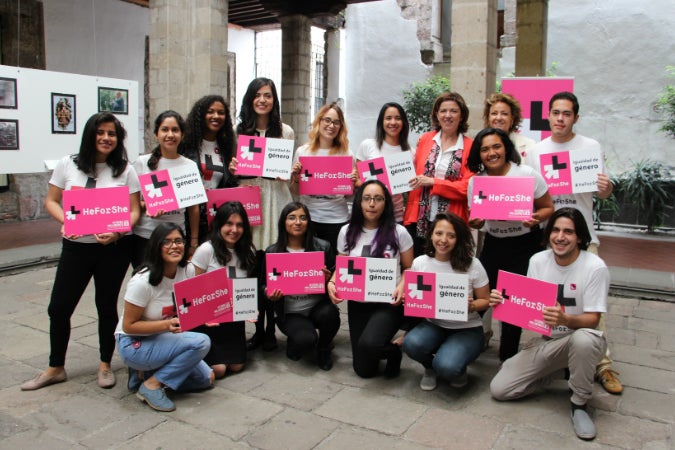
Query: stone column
{"points": [[474, 54], [531, 24], [332, 60], [188, 54], [296, 56]]}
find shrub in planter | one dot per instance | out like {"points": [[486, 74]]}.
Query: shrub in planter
{"points": [[419, 99], [646, 187]]}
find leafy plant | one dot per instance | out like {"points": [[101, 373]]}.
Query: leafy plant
{"points": [[419, 99], [646, 186], [607, 207], [666, 104]]}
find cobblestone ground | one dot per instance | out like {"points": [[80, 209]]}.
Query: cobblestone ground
{"points": [[279, 404]]}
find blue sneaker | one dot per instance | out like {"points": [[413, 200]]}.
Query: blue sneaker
{"points": [[155, 398]]}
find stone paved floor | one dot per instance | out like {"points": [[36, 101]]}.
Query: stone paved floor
{"points": [[276, 403]]}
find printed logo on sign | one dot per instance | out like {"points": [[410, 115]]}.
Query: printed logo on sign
{"points": [[416, 290], [347, 273], [305, 176], [273, 275], [478, 198], [250, 151], [183, 308], [212, 210], [154, 189], [372, 172], [72, 213], [552, 171]]}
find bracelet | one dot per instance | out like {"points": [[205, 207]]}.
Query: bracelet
{"points": [[330, 281]]}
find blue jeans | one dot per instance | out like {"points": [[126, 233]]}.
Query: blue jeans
{"points": [[175, 358], [454, 349]]}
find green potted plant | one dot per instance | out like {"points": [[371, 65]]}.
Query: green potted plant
{"points": [[419, 99], [646, 187]]}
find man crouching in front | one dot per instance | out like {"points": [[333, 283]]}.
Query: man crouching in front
{"points": [[575, 343]]}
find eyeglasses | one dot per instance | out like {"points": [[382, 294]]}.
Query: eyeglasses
{"points": [[327, 121], [293, 218], [376, 199], [167, 243]]}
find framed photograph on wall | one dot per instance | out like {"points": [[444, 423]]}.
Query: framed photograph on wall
{"points": [[113, 100], [9, 134], [8, 98], [63, 113]]}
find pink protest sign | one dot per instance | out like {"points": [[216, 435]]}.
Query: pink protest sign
{"points": [[264, 157], [203, 299], [249, 196], [170, 189], [533, 94], [571, 172], [437, 295], [365, 279], [502, 198], [524, 300], [395, 171], [93, 211], [295, 273], [326, 175]]}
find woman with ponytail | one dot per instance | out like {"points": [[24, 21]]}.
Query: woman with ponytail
{"points": [[169, 129]]}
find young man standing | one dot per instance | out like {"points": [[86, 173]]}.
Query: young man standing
{"points": [[575, 343], [563, 114]]}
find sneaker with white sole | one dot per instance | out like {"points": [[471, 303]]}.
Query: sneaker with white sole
{"points": [[460, 381], [583, 424], [428, 381]]}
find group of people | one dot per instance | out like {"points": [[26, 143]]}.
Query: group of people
{"points": [[428, 231]]}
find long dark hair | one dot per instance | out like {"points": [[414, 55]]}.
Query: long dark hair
{"points": [[580, 226], [510, 153], [462, 254], [86, 158], [405, 128], [386, 227], [244, 248], [247, 115], [157, 151], [282, 241], [153, 260], [195, 126]]}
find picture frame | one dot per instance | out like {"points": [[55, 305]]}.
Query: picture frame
{"points": [[9, 134], [63, 112], [113, 100], [8, 93]]}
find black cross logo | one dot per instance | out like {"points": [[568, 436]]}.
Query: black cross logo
{"points": [[252, 148], [373, 170], [307, 174], [536, 121], [556, 164], [74, 211], [156, 183], [565, 301], [420, 284], [504, 296], [481, 196], [275, 273], [208, 163], [186, 304], [351, 270]]}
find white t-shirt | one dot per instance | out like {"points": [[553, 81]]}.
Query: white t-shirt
{"points": [[286, 132], [210, 177], [147, 224], [442, 163], [405, 242], [368, 150], [153, 299], [323, 208], [510, 228], [205, 259], [67, 176], [584, 201], [523, 145], [585, 283]]}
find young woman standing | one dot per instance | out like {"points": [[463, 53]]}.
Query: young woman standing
{"points": [[101, 162]]}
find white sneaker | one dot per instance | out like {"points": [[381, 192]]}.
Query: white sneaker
{"points": [[583, 424], [460, 382], [428, 381]]}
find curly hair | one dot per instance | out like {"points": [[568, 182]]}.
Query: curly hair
{"points": [[475, 164], [405, 128], [157, 151], [340, 143], [464, 110], [86, 158], [462, 253], [247, 115], [244, 248], [196, 124], [508, 99]]}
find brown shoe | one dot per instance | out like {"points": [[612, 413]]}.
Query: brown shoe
{"points": [[607, 377], [106, 378], [41, 380]]}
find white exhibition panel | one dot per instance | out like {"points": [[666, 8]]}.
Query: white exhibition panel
{"points": [[39, 148]]}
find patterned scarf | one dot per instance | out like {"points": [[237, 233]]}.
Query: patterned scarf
{"points": [[452, 174]]}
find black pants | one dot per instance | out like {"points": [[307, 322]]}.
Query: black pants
{"points": [[78, 264], [328, 232], [371, 328], [511, 254], [302, 330], [137, 248]]}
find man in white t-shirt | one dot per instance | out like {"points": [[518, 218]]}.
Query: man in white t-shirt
{"points": [[563, 114], [575, 343]]}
